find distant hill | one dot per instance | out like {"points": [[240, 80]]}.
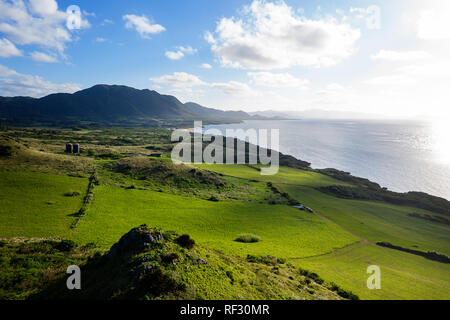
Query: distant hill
{"points": [[109, 104], [315, 114]]}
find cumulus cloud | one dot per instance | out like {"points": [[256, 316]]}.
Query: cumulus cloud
{"points": [[277, 80], [8, 49], [273, 35], [142, 25], [13, 83], [406, 56], [234, 88], [180, 52], [37, 22], [179, 80], [206, 66], [186, 81], [43, 57]]}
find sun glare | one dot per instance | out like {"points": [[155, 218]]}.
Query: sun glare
{"points": [[441, 140]]}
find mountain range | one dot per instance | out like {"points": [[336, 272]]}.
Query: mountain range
{"points": [[110, 104]]}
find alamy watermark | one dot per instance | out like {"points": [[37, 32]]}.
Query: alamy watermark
{"points": [[74, 280], [74, 19], [374, 280], [241, 146]]}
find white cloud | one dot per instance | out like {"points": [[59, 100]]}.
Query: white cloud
{"points": [[434, 74], [44, 7], [180, 52], [100, 39], [107, 21], [8, 49], [272, 35], [234, 88], [276, 80], [185, 81], [37, 22], [206, 66], [142, 25], [13, 83], [406, 56], [174, 55], [89, 14], [43, 57], [179, 80], [434, 24]]}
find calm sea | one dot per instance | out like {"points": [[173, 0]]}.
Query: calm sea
{"points": [[402, 156]]}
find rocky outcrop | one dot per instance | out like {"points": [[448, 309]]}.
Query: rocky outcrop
{"points": [[135, 241]]}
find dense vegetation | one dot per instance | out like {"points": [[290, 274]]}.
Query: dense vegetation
{"points": [[149, 263]]}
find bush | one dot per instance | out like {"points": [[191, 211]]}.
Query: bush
{"points": [[170, 258], [72, 194], [213, 198], [248, 238], [65, 245], [343, 293], [5, 151], [269, 260], [312, 275], [185, 241]]}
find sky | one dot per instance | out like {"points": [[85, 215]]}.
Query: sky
{"points": [[390, 58]]}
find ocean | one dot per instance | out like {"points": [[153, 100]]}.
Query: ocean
{"points": [[400, 155]]}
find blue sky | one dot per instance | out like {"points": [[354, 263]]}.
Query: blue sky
{"points": [[381, 57]]}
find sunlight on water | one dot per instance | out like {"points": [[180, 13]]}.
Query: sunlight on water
{"points": [[441, 141]]}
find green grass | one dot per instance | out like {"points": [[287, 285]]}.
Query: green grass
{"points": [[378, 221], [34, 204], [403, 276], [286, 232], [284, 175]]}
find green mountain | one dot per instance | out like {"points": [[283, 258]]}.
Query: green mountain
{"points": [[108, 104]]}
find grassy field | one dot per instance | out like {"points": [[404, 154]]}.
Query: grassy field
{"points": [[284, 175], [377, 221], [337, 240], [285, 232], [403, 275], [34, 205]]}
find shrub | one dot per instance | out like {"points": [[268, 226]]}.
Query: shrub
{"points": [[312, 275], [170, 258], [65, 245], [213, 198], [343, 293], [248, 238], [72, 194], [185, 241], [269, 260], [5, 151]]}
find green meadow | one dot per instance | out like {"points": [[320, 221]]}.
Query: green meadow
{"points": [[215, 204], [285, 232], [34, 205]]}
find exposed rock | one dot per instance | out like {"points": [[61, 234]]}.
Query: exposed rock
{"points": [[135, 241]]}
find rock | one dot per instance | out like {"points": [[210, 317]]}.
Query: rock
{"points": [[135, 241]]}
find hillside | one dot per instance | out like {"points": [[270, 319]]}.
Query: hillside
{"points": [[149, 263], [108, 104], [241, 221]]}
